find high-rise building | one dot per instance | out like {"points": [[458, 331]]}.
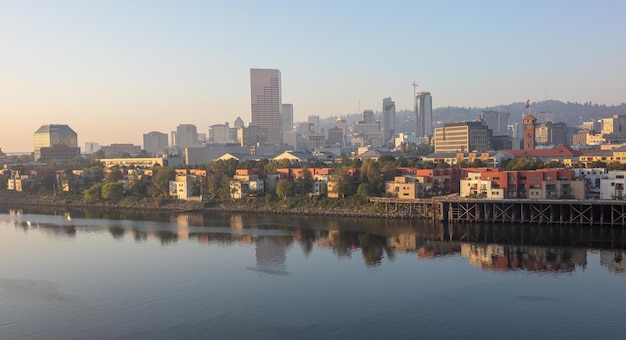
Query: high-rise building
{"points": [[368, 117], [389, 119], [251, 135], [335, 136], [266, 98], [315, 121], [496, 121], [287, 117], [548, 133], [463, 137], [423, 114], [343, 125], [219, 133], [54, 134], [155, 143], [186, 136], [238, 123]]}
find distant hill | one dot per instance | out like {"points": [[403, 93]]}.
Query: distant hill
{"points": [[573, 114]]}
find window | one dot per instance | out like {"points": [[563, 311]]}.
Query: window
{"points": [[535, 178]]}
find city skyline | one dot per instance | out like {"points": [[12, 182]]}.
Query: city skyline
{"points": [[114, 71]]}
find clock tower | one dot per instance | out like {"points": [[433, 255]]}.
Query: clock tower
{"points": [[529, 132]]}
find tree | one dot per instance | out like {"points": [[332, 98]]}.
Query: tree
{"points": [[112, 191], [97, 155], [114, 176], [137, 185], [344, 184], [477, 163], [364, 190], [284, 188], [93, 193], [305, 182], [161, 181]]}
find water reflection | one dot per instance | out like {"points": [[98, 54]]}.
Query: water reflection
{"points": [[546, 249]]}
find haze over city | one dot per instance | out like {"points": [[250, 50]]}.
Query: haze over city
{"points": [[115, 70]]}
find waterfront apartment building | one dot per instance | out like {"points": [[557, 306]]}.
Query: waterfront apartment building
{"points": [[537, 184], [266, 99], [423, 114], [155, 143], [53, 134], [463, 137]]}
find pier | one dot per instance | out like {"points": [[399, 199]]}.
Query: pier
{"points": [[532, 211]]}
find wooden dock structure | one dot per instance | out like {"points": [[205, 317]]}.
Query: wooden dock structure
{"points": [[532, 211]]}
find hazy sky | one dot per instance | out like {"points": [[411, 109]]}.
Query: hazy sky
{"points": [[114, 70]]}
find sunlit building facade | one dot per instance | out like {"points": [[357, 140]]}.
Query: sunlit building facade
{"points": [[54, 134], [266, 98]]}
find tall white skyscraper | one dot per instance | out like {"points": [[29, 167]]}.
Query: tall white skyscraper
{"points": [[267, 105], [389, 119], [423, 114]]}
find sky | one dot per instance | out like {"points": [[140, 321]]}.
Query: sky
{"points": [[114, 70]]}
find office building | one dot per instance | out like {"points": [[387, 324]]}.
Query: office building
{"points": [[368, 117], [335, 136], [91, 147], [220, 134], [51, 135], [423, 114], [497, 121], [251, 135], [155, 143], [186, 136], [266, 98], [389, 119], [287, 117], [463, 137], [314, 122], [548, 133], [238, 123]]}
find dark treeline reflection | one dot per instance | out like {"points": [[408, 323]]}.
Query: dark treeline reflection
{"points": [[540, 248]]}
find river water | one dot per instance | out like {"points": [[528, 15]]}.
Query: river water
{"points": [[85, 274]]}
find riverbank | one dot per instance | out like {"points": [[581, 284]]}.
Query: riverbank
{"points": [[300, 206]]}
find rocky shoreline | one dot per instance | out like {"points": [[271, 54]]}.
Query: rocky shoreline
{"points": [[176, 206]]}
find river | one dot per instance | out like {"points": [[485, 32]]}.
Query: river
{"points": [[132, 275]]}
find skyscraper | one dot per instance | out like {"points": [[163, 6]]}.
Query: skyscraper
{"points": [[266, 98], [423, 114], [389, 119], [287, 117], [186, 136]]}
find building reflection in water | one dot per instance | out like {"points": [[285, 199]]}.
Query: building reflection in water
{"points": [[613, 260], [529, 258], [550, 249], [270, 256]]}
